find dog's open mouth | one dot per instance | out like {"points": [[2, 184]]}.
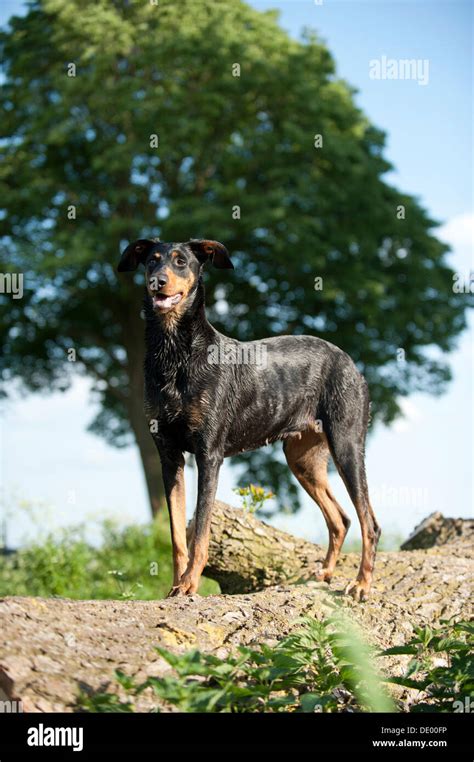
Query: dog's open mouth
{"points": [[166, 301]]}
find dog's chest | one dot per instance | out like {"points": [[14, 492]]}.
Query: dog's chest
{"points": [[176, 401]]}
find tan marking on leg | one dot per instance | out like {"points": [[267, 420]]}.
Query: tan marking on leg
{"points": [[191, 577], [359, 589], [177, 511], [198, 556], [308, 457]]}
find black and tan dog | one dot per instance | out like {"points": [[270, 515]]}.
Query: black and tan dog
{"points": [[202, 397]]}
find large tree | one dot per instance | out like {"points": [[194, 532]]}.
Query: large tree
{"points": [[128, 119]]}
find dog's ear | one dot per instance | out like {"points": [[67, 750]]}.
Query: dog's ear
{"points": [[135, 254], [212, 250]]}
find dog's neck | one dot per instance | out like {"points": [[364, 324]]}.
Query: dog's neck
{"points": [[175, 335]]}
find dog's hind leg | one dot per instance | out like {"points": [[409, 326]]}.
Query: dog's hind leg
{"points": [[347, 448], [308, 457]]}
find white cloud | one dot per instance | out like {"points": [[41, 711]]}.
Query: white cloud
{"points": [[411, 416], [458, 231]]}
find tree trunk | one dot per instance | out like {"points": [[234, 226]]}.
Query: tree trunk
{"points": [[52, 648], [247, 555], [438, 530], [150, 462], [134, 342]]}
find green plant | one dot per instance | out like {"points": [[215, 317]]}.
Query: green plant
{"points": [[253, 497], [57, 565], [125, 592], [442, 667], [103, 703], [322, 667], [130, 562]]}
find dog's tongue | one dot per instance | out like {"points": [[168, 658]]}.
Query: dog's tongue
{"points": [[165, 302]]}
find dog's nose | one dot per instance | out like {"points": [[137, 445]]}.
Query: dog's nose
{"points": [[162, 280]]}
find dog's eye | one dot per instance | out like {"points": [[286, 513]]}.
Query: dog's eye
{"points": [[180, 262]]}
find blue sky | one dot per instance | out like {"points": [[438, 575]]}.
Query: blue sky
{"points": [[424, 461]]}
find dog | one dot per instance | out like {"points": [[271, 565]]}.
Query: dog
{"points": [[307, 393]]}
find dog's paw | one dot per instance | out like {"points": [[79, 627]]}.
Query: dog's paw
{"points": [[324, 575], [186, 586], [358, 589], [176, 592]]}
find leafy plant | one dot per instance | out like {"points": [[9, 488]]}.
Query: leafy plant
{"points": [[442, 667], [322, 667], [104, 703], [122, 566], [253, 497], [125, 592], [57, 565]]}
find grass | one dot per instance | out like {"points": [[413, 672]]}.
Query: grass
{"points": [[131, 562]]}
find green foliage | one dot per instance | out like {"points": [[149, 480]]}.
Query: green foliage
{"points": [[64, 564], [442, 667], [104, 702], [85, 141], [322, 667], [253, 497]]}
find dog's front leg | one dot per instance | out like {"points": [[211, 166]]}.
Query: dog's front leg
{"points": [[208, 472], [172, 468]]}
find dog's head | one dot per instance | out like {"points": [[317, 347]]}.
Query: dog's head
{"points": [[172, 270]]}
